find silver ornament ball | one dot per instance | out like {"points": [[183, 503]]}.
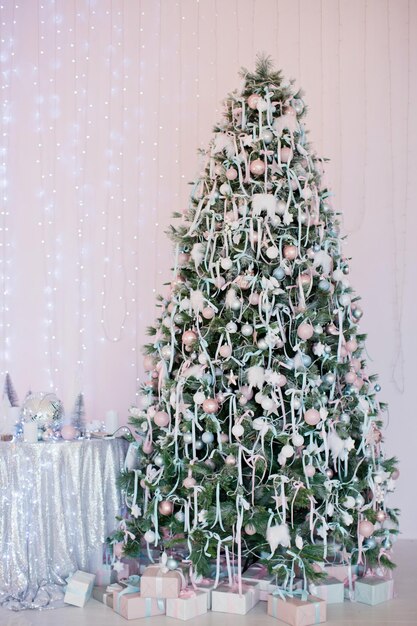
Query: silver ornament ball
{"points": [[172, 564]]}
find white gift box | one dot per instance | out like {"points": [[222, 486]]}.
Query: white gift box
{"points": [[79, 588], [373, 590], [189, 604], [226, 599], [207, 587], [331, 589], [266, 582]]}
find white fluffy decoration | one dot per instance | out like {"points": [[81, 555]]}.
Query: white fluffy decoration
{"points": [[231, 297], [197, 253], [336, 446], [197, 300], [323, 260], [286, 122], [278, 535], [264, 202], [256, 376], [224, 143], [194, 371]]}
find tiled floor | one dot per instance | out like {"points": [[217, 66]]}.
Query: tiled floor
{"points": [[399, 612]]}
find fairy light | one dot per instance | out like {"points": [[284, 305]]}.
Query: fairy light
{"points": [[7, 54], [112, 241], [46, 126]]}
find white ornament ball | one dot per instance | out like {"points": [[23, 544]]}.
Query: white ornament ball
{"points": [[272, 252], [349, 502], [287, 451], [226, 263], [225, 189], [250, 529], [246, 330], [297, 440], [231, 328], [149, 536], [207, 437], [238, 430], [267, 404], [281, 207], [199, 397], [262, 345], [258, 423]]}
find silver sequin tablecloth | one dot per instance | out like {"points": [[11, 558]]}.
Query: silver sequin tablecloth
{"points": [[58, 503]]}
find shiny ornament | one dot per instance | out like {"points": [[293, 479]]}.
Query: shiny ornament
{"points": [[352, 345], [161, 418], [230, 460], [199, 397], [290, 252], [377, 387], [254, 298], [272, 252], [329, 378], [250, 529], [278, 273], [238, 430], [297, 440], [224, 438], [257, 167], [199, 445], [166, 507], [180, 516], [208, 313], [188, 438], [297, 105], [287, 451], [310, 470], [246, 330], [231, 173], [345, 418], [225, 189], [236, 305], [267, 404], [381, 516], [166, 352], [189, 482], [253, 100], [68, 432], [286, 154], [43, 407], [350, 378], [262, 344], [366, 528], [281, 207], [207, 437], [305, 331], [395, 474], [370, 543], [225, 351], [267, 136], [210, 405], [324, 285], [357, 313], [329, 473], [349, 502], [172, 564], [312, 417], [158, 460], [149, 536], [231, 328], [189, 337]]}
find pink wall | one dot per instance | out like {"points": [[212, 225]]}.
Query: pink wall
{"points": [[104, 106]]}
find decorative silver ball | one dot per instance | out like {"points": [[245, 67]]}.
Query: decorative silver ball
{"points": [[179, 318], [199, 445], [278, 273], [172, 564], [360, 501], [346, 269], [179, 516], [377, 387], [306, 360], [231, 328], [324, 285], [317, 247], [329, 473], [246, 330], [328, 349], [262, 345], [298, 105], [267, 136], [236, 305], [207, 437], [188, 438], [370, 543], [326, 208], [158, 460], [329, 378]]}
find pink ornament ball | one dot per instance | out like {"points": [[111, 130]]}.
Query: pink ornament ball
{"points": [[148, 362], [290, 252], [166, 507], [290, 111], [247, 392], [161, 419], [305, 331], [257, 167], [210, 405], [350, 378], [304, 280], [225, 351], [281, 380], [312, 417], [189, 337], [189, 482], [208, 313], [352, 345], [286, 154], [254, 298], [183, 259], [310, 470], [230, 460], [366, 528], [210, 463], [68, 432], [231, 173], [220, 282], [381, 516], [253, 101], [224, 438], [395, 474]]}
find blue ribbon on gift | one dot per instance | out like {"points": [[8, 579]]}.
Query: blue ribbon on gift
{"points": [[133, 584], [303, 595]]}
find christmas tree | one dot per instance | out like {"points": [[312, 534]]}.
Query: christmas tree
{"points": [[260, 428]]}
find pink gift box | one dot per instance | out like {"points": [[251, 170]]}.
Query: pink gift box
{"points": [[206, 585], [105, 575], [134, 606], [226, 599], [157, 583], [266, 582], [297, 612], [189, 604]]}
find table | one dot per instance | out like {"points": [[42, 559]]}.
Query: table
{"points": [[58, 503]]}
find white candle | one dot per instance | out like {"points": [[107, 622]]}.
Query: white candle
{"points": [[112, 421], [30, 432]]}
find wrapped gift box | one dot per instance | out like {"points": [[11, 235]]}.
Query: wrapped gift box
{"points": [[331, 589], [206, 585], [341, 571], [266, 582], [189, 604], [296, 611], [374, 590], [134, 605], [157, 583], [226, 599], [105, 575], [104, 594], [79, 588]]}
